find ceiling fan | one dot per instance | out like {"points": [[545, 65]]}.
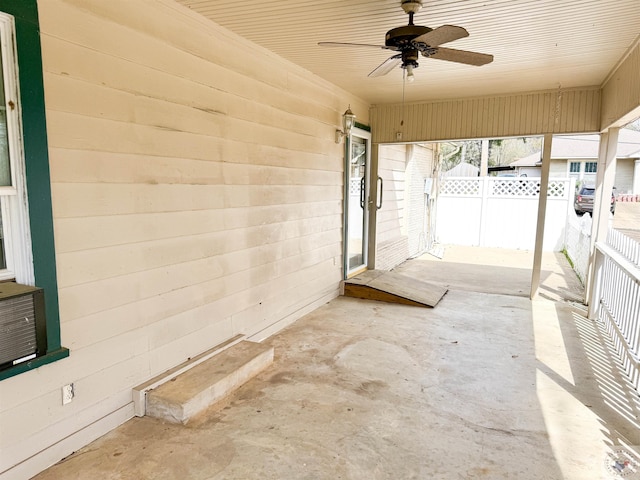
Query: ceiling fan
{"points": [[412, 40]]}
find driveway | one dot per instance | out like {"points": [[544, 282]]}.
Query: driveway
{"points": [[627, 219]]}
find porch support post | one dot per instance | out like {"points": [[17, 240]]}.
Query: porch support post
{"points": [[605, 176], [542, 213], [484, 158], [373, 211]]}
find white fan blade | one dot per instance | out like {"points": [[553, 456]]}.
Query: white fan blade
{"points": [[440, 35], [460, 56], [386, 66], [341, 44]]}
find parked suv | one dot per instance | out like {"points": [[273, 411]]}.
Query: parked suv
{"points": [[584, 200]]}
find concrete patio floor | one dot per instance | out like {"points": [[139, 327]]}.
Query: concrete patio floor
{"points": [[486, 385]]}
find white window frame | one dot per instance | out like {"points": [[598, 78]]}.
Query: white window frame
{"points": [[13, 199], [579, 164], [595, 164]]}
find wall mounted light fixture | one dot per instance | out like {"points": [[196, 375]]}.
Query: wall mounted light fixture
{"points": [[348, 121]]}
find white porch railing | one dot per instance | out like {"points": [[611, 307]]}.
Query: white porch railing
{"points": [[617, 293]]}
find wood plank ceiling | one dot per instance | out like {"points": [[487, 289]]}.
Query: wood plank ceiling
{"points": [[537, 45]]}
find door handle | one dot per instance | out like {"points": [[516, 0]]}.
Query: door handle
{"points": [[362, 193], [380, 187]]}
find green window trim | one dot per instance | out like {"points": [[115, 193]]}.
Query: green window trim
{"points": [[362, 126], [38, 181]]}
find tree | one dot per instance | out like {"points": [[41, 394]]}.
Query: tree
{"points": [[511, 149], [501, 151]]}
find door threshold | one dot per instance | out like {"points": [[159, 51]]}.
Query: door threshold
{"points": [[356, 272]]}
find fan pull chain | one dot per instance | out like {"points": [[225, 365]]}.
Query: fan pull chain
{"points": [[404, 78]]}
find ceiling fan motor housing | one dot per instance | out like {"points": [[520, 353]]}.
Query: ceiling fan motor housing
{"points": [[400, 38]]}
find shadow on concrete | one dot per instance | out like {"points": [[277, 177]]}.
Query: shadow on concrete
{"points": [[591, 409]]}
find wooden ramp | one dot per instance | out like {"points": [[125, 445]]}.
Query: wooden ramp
{"points": [[393, 288]]}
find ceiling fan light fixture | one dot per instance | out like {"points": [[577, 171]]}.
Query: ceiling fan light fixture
{"points": [[410, 76]]}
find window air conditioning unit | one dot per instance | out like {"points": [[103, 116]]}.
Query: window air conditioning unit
{"points": [[23, 333]]}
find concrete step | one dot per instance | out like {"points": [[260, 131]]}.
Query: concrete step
{"points": [[193, 391]]}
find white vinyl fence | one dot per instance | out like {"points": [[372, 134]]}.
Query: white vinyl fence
{"points": [[577, 243], [501, 212]]}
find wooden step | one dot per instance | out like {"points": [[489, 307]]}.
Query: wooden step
{"points": [[393, 288], [191, 392]]}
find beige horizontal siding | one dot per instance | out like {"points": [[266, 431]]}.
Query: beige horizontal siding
{"points": [[197, 194], [625, 168], [269, 222], [419, 168], [558, 168], [391, 229]]}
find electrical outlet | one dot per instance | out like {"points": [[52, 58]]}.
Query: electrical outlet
{"points": [[67, 393]]}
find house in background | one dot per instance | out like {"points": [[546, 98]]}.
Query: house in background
{"points": [[463, 169], [576, 156]]}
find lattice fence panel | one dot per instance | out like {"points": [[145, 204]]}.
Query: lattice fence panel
{"points": [[460, 186], [514, 188], [519, 187], [557, 189], [354, 186]]}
